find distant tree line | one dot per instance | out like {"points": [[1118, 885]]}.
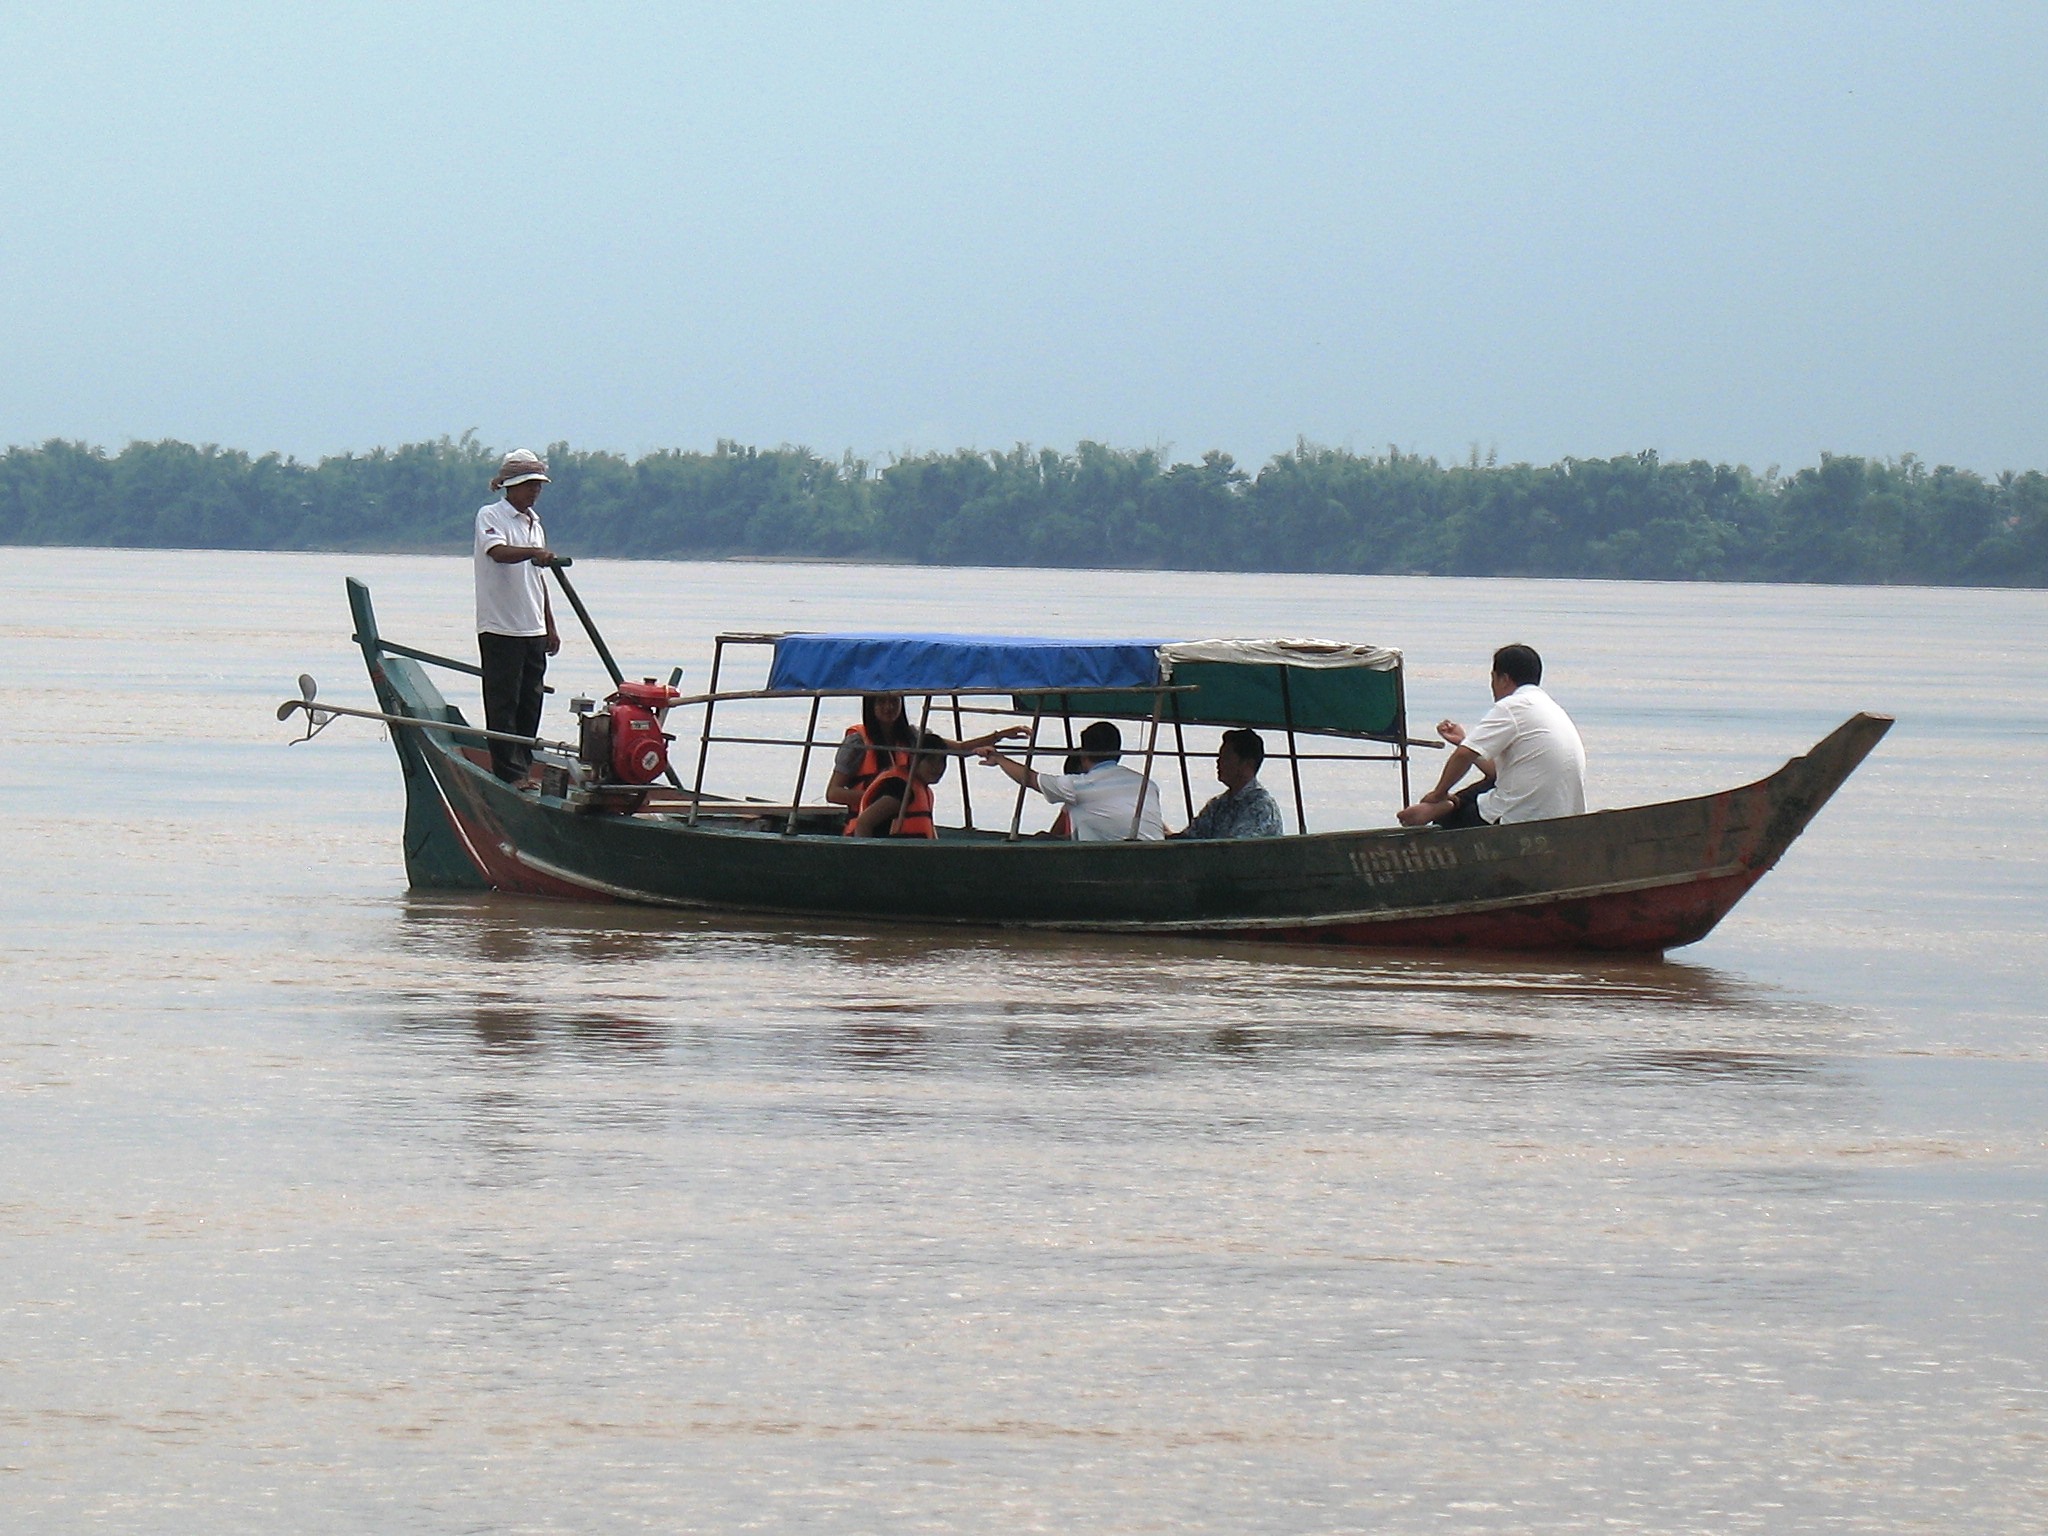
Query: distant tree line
{"points": [[1313, 509]]}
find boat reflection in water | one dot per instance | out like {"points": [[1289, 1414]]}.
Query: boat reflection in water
{"points": [[613, 982]]}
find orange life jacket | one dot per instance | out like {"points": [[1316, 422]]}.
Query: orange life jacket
{"points": [[875, 762], [917, 814]]}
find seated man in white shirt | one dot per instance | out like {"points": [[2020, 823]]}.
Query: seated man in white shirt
{"points": [[1527, 748], [1102, 800]]}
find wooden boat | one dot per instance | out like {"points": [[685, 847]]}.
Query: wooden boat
{"points": [[1644, 879]]}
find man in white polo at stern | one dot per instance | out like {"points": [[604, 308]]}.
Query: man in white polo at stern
{"points": [[1527, 748], [515, 626]]}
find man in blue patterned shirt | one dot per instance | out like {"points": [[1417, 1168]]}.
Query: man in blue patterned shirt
{"points": [[1244, 809]]}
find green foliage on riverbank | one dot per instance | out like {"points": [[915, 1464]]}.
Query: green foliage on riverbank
{"points": [[1314, 509]]}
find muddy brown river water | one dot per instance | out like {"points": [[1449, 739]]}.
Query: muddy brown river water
{"points": [[331, 1207]]}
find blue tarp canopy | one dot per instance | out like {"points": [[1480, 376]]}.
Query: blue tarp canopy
{"points": [[958, 664], [1324, 686]]}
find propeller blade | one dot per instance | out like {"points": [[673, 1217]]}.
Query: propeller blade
{"points": [[307, 687], [284, 710]]}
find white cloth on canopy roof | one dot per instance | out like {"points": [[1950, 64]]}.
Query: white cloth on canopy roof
{"points": [[1320, 654]]}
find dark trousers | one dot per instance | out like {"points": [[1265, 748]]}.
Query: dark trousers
{"points": [[514, 667], [1464, 811]]}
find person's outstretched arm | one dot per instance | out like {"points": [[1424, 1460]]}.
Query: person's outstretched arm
{"points": [[512, 554], [1019, 773], [987, 739]]}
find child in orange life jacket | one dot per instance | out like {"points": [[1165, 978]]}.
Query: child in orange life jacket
{"points": [[897, 804]]}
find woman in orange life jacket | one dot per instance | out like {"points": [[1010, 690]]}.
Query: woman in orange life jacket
{"points": [[883, 741], [898, 803], [870, 749]]}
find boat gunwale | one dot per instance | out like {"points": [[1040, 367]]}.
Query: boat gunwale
{"points": [[1291, 923]]}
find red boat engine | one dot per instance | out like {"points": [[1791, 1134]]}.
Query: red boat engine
{"points": [[625, 744]]}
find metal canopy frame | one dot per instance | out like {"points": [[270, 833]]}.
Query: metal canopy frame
{"points": [[1165, 696]]}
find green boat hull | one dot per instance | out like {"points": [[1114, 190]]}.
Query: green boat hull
{"points": [[1644, 879]]}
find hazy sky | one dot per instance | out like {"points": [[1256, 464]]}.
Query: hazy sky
{"points": [[1749, 233]]}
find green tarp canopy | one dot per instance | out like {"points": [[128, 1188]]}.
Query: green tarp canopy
{"points": [[1321, 687]]}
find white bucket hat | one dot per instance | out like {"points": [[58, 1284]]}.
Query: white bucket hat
{"points": [[520, 466]]}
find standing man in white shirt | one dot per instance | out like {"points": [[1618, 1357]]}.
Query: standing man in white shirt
{"points": [[515, 626], [1102, 799], [1527, 748]]}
